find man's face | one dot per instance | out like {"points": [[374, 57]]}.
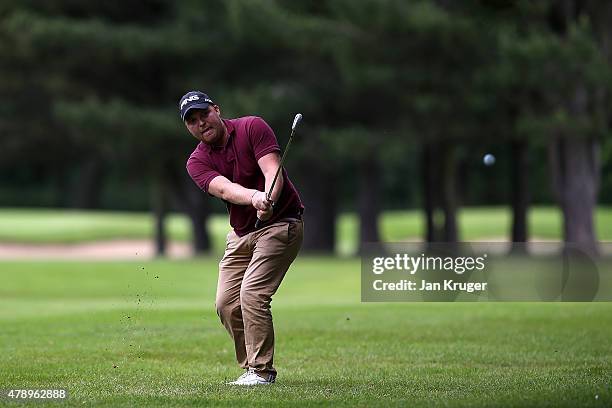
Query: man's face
{"points": [[206, 125]]}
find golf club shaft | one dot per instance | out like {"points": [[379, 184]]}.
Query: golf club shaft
{"points": [[280, 167], [296, 121]]}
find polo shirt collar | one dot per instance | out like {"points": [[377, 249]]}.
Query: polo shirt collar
{"points": [[231, 130]]}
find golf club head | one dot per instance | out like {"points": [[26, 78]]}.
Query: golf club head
{"points": [[296, 121]]}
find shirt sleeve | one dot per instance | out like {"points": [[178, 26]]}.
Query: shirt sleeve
{"points": [[201, 173], [262, 138]]}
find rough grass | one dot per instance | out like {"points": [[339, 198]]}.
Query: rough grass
{"points": [[68, 324]]}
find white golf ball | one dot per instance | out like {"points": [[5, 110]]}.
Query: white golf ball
{"points": [[488, 159]]}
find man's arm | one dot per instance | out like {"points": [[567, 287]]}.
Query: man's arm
{"points": [[269, 165], [234, 193]]}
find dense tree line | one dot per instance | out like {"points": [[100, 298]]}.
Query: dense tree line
{"points": [[401, 99]]}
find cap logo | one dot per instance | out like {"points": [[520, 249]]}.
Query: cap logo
{"points": [[193, 98], [190, 99]]}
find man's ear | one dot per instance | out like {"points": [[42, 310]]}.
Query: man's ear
{"points": [[217, 109]]}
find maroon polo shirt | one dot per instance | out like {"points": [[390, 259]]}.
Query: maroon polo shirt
{"points": [[250, 138]]}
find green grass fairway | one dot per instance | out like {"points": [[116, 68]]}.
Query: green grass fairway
{"points": [[68, 324], [64, 226]]}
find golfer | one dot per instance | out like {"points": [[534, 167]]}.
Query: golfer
{"points": [[236, 161]]}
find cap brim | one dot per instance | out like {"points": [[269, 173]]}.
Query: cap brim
{"points": [[204, 105]]}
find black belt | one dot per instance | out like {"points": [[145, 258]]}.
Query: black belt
{"points": [[291, 219], [294, 217]]}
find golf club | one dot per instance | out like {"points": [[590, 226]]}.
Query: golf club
{"points": [[296, 122]]}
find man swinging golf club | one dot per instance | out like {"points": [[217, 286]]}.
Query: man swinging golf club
{"points": [[238, 161]]}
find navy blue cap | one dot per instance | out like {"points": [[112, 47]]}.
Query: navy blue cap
{"points": [[194, 100]]}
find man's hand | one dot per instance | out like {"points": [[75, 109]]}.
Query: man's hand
{"points": [[260, 202], [265, 215]]}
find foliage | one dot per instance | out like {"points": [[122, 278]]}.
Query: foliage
{"points": [[372, 78]]}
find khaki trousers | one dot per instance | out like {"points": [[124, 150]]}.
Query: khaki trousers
{"points": [[250, 272]]}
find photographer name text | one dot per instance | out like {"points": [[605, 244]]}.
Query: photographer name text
{"points": [[426, 286]]}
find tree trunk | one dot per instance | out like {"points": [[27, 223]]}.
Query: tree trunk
{"points": [[520, 190], [319, 194], [575, 171], [429, 202], [61, 186], [88, 185], [449, 199], [369, 201], [188, 197], [574, 159], [439, 191], [198, 214], [160, 210]]}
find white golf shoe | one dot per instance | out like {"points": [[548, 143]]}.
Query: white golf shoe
{"points": [[252, 378]]}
